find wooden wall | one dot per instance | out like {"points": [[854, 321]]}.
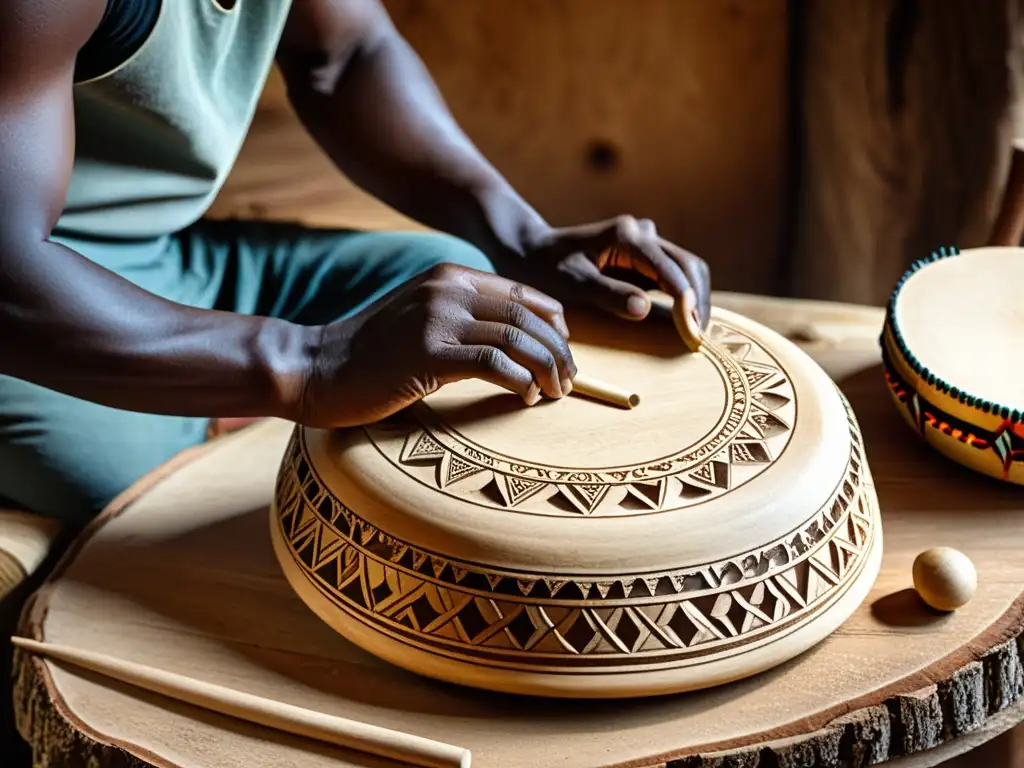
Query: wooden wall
{"points": [[669, 109], [909, 114], [679, 110]]}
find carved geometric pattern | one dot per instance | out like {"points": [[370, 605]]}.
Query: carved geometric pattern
{"points": [[503, 617], [752, 432]]}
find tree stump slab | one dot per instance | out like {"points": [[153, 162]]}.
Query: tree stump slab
{"points": [[179, 574]]}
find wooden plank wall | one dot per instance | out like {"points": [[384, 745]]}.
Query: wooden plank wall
{"points": [[909, 112], [673, 110], [679, 110]]}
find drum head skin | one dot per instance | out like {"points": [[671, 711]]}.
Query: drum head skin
{"points": [[575, 549], [953, 348]]}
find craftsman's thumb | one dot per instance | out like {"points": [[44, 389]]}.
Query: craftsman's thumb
{"points": [[619, 298]]}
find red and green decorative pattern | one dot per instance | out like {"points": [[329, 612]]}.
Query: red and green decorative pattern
{"points": [[1007, 440], [929, 402]]}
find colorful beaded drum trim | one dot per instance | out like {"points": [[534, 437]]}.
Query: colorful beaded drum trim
{"points": [[1007, 440], [933, 403], [910, 359]]}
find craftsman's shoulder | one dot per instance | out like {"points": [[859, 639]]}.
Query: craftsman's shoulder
{"points": [[335, 25], [35, 35]]}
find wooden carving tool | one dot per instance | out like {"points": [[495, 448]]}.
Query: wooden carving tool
{"points": [[607, 393], [372, 739], [684, 317], [670, 311]]}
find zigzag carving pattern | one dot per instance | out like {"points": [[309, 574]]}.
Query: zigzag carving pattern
{"points": [[502, 618], [750, 435]]}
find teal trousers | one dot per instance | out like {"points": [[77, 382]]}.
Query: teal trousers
{"points": [[66, 458]]}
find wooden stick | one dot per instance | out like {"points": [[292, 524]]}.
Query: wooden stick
{"points": [[606, 393], [1009, 225], [330, 729], [688, 329], [669, 311]]}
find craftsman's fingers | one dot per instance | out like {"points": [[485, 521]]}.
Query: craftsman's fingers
{"points": [[488, 363], [617, 297], [521, 321], [597, 237], [648, 258], [524, 349], [539, 303], [631, 244], [698, 273]]}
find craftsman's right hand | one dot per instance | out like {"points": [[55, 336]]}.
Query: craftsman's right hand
{"points": [[447, 324]]}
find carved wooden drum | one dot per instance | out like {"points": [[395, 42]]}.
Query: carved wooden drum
{"points": [[953, 350], [573, 549]]}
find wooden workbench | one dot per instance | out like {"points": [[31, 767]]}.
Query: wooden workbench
{"points": [[181, 567]]}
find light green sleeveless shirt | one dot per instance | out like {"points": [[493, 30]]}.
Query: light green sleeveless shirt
{"points": [[156, 138]]}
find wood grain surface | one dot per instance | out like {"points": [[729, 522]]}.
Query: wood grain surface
{"points": [[591, 552], [674, 110], [181, 571], [909, 111]]}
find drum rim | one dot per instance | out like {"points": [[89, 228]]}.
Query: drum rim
{"points": [[604, 681], [892, 341], [483, 543]]}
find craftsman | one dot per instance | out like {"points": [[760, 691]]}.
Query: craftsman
{"points": [[127, 319]]}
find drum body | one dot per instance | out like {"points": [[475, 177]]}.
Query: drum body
{"points": [[953, 354], [722, 527]]}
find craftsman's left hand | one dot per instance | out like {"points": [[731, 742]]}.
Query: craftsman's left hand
{"points": [[571, 264]]}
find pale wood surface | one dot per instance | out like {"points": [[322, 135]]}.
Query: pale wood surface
{"points": [[202, 586], [286, 718], [621, 536], [688, 96], [909, 111]]}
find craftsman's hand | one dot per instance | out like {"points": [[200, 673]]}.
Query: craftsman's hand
{"points": [[571, 264], [449, 323]]}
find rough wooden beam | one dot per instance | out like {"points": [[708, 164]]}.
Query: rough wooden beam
{"points": [[909, 111]]}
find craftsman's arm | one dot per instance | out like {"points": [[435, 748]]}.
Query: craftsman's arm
{"points": [[366, 97], [72, 326], [368, 100]]}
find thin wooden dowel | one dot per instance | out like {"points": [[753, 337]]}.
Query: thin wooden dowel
{"points": [[330, 729], [668, 312], [587, 386], [612, 257]]}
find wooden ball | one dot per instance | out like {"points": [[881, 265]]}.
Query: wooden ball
{"points": [[945, 578]]}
